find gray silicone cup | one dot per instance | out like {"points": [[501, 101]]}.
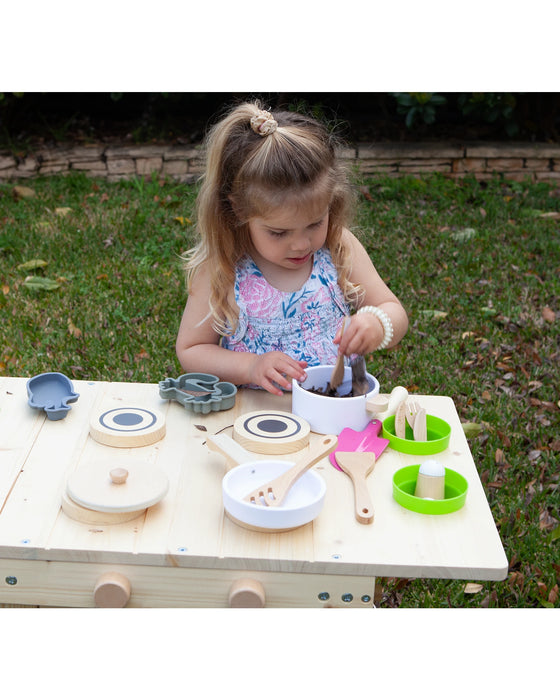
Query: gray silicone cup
{"points": [[51, 391], [221, 398]]}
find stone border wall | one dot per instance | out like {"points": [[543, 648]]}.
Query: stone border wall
{"points": [[515, 161]]}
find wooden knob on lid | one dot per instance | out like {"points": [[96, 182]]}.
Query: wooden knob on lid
{"points": [[112, 590], [246, 593], [118, 475]]}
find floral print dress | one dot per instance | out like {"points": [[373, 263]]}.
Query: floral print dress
{"points": [[301, 324]]}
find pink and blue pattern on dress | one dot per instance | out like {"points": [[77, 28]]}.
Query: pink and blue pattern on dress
{"points": [[301, 324]]}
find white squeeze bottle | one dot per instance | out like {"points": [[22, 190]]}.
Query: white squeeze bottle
{"points": [[431, 480]]}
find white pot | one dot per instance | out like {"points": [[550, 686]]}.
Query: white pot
{"points": [[331, 414]]}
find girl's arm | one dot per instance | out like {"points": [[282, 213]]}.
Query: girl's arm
{"points": [[198, 348], [366, 332]]}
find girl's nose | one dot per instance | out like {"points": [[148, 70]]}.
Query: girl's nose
{"points": [[302, 241]]}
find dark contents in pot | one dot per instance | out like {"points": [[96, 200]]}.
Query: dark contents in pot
{"points": [[329, 391]]}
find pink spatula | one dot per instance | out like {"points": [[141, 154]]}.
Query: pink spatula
{"points": [[366, 440]]}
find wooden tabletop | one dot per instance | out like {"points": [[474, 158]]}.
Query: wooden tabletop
{"points": [[188, 527]]}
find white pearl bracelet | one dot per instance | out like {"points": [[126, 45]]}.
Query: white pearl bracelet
{"points": [[385, 320]]}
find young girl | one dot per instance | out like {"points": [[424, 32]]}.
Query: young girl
{"points": [[276, 271]]}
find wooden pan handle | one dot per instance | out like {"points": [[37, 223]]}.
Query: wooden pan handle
{"points": [[362, 501], [231, 450]]}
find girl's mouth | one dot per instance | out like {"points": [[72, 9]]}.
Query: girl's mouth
{"points": [[300, 261]]}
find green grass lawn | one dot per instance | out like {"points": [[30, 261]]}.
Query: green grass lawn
{"points": [[477, 265]]}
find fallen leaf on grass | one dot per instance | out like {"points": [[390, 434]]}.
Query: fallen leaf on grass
{"points": [[62, 211], [548, 314], [492, 597], [553, 595], [550, 215], [22, 192], [44, 283], [516, 578], [183, 220], [464, 234], [73, 330], [546, 521], [473, 588], [433, 313], [471, 430], [34, 264], [365, 192]]}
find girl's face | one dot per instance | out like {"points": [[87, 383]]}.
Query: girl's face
{"points": [[288, 237]]}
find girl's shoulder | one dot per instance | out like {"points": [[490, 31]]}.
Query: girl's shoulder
{"points": [[353, 244], [200, 277], [348, 238]]}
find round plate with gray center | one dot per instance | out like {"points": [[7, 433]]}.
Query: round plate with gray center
{"points": [[271, 432], [127, 427]]}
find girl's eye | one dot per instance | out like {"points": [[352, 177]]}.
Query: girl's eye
{"points": [[317, 224], [278, 234]]}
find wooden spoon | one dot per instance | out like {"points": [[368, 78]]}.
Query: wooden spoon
{"points": [[338, 371], [358, 465]]}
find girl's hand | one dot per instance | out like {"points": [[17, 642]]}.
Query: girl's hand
{"points": [[276, 368], [362, 336]]}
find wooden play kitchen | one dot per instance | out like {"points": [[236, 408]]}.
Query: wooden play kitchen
{"points": [[121, 503]]}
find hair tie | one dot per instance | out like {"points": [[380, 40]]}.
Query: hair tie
{"points": [[263, 123]]}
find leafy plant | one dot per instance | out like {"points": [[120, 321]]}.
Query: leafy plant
{"points": [[491, 107], [418, 106]]}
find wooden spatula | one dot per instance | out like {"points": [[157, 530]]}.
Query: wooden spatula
{"points": [[358, 465], [272, 493]]}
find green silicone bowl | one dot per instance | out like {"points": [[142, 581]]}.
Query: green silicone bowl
{"points": [[404, 485], [438, 431]]}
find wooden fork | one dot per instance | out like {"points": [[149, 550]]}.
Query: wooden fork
{"points": [[272, 493], [412, 409], [416, 418]]}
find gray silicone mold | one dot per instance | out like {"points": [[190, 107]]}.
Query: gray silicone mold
{"points": [[52, 391], [199, 392]]}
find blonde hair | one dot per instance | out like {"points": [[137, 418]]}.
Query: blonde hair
{"points": [[248, 174]]}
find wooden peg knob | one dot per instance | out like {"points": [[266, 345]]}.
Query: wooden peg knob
{"points": [[246, 593], [118, 475], [112, 590]]}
